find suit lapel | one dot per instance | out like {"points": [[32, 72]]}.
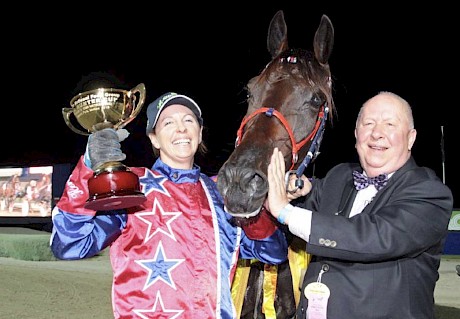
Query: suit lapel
{"points": [[346, 202]]}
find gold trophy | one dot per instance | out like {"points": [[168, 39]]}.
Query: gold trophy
{"points": [[113, 185]]}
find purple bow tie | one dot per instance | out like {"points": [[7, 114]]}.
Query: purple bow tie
{"points": [[361, 181]]}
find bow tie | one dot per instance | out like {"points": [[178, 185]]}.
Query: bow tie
{"points": [[361, 181]]}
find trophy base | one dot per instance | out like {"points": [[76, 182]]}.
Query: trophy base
{"points": [[114, 202], [114, 187]]}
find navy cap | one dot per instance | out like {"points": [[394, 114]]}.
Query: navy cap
{"points": [[154, 109]]}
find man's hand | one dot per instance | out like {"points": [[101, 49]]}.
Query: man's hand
{"points": [[299, 191], [104, 146], [277, 196]]}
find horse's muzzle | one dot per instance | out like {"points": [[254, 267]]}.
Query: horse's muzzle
{"points": [[243, 189]]}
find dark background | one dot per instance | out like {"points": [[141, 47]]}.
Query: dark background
{"points": [[209, 53]]}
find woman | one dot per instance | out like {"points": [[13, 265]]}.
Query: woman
{"points": [[175, 253]]}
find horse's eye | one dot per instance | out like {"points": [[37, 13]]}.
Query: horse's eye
{"points": [[249, 95], [317, 100]]}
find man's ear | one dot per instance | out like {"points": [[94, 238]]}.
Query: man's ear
{"points": [[412, 136]]}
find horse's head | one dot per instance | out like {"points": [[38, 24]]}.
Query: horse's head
{"points": [[284, 102]]}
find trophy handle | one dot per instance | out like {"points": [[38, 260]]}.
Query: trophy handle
{"points": [[66, 113], [140, 88]]}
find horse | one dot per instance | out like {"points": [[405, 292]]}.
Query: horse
{"points": [[288, 105]]}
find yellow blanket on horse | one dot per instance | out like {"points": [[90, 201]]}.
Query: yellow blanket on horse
{"points": [[298, 263]]}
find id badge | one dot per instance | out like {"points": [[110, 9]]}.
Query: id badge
{"points": [[317, 294]]}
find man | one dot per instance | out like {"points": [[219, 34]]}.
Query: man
{"points": [[376, 248]]}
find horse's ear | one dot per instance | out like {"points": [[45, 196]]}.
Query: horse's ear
{"points": [[324, 40], [277, 35]]}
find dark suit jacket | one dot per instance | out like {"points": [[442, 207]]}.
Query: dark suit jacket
{"points": [[382, 263]]}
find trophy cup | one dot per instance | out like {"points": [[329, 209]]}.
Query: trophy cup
{"points": [[113, 185]]}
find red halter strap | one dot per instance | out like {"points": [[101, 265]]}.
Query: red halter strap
{"points": [[270, 112]]}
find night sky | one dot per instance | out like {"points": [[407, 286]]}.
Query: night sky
{"points": [[209, 53]]}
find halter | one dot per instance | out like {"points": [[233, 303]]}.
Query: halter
{"points": [[315, 136]]}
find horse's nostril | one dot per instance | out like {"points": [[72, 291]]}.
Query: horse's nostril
{"points": [[243, 189], [248, 180], [258, 184]]}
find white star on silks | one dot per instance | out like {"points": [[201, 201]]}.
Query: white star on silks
{"points": [[151, 182], [161, 313], [161, 223], [159, 268]]}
